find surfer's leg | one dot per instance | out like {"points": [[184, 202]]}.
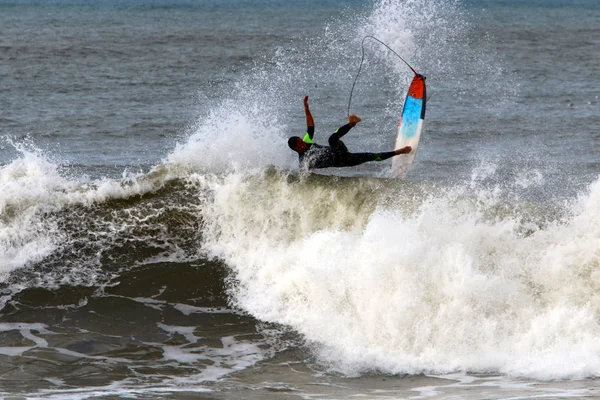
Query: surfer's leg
{"points": [[337, 135], [353, 159], [338, 147]]}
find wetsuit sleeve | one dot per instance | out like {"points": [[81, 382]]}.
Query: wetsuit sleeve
{"points": [[310, 123], [310, 132]]}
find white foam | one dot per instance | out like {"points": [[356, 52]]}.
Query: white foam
{"points": [[25, 329], [443, 288], [185, 331], [23, 326], [235, 354], [32, 187], [124, 389], [26, 184], [525, 389], [187, 310], [14, 351]]}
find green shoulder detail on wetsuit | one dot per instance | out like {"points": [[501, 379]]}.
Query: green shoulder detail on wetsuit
{"points": [[307, 139], [378, 159]]}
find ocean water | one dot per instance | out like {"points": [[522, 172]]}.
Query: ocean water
{"points": [[157, 239]]}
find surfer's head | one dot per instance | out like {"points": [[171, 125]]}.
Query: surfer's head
{"points": [[297, 144]]}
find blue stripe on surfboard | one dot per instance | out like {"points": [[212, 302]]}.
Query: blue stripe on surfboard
{"points": [[411, 114]]}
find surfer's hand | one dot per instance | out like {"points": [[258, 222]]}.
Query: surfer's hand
{"points": [[404, 150], [306, 100]]}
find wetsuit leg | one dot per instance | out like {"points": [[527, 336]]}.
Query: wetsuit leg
{"points": [[337, 135], [353, 159], [339, 151]]}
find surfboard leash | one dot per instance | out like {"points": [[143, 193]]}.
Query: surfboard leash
{"points": [[362, 59]]}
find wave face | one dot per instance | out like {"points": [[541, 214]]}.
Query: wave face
{"points": [[400, 277]]}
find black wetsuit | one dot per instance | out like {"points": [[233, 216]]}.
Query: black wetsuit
{"points": [[336, 154]]}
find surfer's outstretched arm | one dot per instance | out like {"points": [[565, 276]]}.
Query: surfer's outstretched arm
{"points": [[310, 122]]}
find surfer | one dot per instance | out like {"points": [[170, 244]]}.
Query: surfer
{"points": [[313, 155]]}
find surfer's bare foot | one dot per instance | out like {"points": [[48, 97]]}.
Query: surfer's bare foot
{"points": [[404, 150], [353, 120]]}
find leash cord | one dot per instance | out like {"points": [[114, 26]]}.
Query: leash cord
{"points": [[362, 59]]}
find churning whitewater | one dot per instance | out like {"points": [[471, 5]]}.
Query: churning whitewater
{"points": [[375, 274], [402, 278]]}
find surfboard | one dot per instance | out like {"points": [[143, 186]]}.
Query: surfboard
{"points": [[410, 125]]}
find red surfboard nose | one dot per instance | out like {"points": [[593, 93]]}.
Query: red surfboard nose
{"points": [[417, 87]]}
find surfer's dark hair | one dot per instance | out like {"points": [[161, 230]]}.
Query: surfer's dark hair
{"points": [[293, 142]]}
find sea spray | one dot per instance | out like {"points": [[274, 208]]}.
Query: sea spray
{"points": [[233, 137], [248, 128]]}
